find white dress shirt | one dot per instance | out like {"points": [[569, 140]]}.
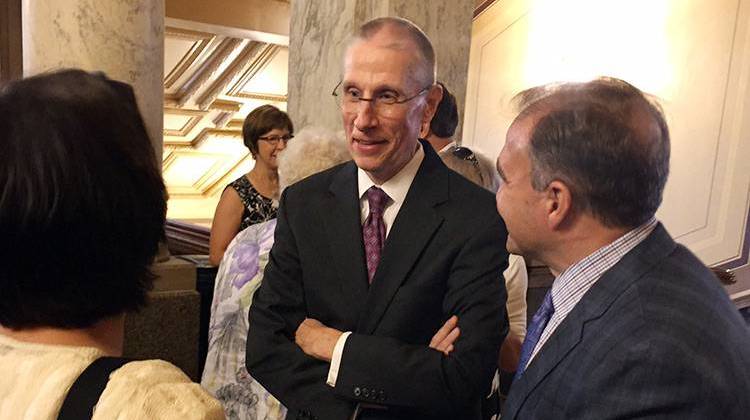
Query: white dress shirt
{"points": [[396, 188]]}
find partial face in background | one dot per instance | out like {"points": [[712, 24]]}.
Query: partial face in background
{"points": [[382, 139], [520, 206], [269, 145]]}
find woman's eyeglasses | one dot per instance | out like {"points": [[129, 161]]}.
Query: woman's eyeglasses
{"points": [[274, 140]]}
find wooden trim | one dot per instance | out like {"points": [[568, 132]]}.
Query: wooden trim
{"points": [[206, 132], [229, 74], [201, 42], [235, 124], [222, 118], [261, 96], [185, 238], [226, 105], [195, 118], [11, 40], [482, 7], [209, 67], [226, 179], [261, 61]]}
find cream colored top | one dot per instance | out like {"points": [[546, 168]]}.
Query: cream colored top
{"points": [[516, 283], [35, 378]]}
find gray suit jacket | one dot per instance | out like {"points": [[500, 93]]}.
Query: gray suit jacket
{"points": [[655, 337], [444, 256]]}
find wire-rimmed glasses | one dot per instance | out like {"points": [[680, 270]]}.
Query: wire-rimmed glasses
{"points": [[383, 103]]}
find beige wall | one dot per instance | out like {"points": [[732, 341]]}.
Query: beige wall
{"points": [[692, 54], [269, 16]]}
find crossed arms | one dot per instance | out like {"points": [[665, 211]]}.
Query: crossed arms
{"points": [[288, 350]]}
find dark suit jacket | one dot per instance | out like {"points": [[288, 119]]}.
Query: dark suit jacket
{"points": [[655, 337], [444, 255]]}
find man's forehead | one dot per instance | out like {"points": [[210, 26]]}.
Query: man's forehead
{"points": [[377, 62], [519, 132]]}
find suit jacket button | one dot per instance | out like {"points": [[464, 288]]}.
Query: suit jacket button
{"points": [[365, 392], [381, 396], [357, 391]]}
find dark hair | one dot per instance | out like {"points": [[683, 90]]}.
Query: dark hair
{"points": [[82, 202], [427, 66], [606, 140], [260, 121], [445, 120]]}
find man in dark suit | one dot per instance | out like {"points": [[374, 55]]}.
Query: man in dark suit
{"points": [[635, 326], [379, 264]]}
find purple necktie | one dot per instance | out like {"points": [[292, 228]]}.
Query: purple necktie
{"points": [[373, 231], [538, 323]]}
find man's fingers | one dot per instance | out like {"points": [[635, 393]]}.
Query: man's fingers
{"points": [[443, 332], [448, 341], [451, 338]]}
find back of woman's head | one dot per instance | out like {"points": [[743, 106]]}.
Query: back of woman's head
{"points": [[82, 202], [472, 165], [313, 150]]}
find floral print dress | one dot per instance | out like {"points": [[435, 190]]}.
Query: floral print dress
{"points": [[225, 376]]}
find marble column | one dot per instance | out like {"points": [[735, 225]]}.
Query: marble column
{"points": [[122, 38], [319, 32]]}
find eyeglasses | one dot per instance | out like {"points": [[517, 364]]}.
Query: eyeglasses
{"points": [[383, 103], [274, 140]]}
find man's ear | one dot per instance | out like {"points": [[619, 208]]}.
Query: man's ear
{"points": [[424, 131], [558, 204], [434, 96]]}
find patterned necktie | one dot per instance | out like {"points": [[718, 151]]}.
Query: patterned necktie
{"points": [[538, 322], [373, 231]]}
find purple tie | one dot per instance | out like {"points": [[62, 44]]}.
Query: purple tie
{"points": [[538, 323], [373, 231]]}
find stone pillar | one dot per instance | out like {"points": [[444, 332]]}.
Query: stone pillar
{"points": [[122, 38], [319, 32]]}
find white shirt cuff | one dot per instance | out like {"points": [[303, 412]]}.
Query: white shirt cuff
{"points": [[338, 352]]}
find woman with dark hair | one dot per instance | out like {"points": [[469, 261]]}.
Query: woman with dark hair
{"points": [[82, 208], [250, 199]]}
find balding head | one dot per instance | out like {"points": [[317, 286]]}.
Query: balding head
{"points": [[606, 140], [402, 34]]}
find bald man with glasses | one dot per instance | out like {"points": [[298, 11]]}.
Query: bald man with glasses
{"points": [[383, 296]]}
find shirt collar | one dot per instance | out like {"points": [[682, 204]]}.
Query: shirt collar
{"points": [[579, 277], [399, 184]]}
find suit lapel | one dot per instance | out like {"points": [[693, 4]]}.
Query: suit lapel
{"points": [[593, 305], [341, 218], [412, 230]]}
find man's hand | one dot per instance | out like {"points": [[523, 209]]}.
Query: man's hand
{"points": [[316, 340], [443, 340]]}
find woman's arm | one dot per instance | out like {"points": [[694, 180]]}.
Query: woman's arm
{"points": [[226, 224]]}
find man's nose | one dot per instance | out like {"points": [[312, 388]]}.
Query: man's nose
{"points": [[366, 115]]}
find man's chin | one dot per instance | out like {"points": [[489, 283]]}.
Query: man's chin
{"points": [[512, 248], [367, 163]]}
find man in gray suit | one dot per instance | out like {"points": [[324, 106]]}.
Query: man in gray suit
{"points": [[635, 326]]}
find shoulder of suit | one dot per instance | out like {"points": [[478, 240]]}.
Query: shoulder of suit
{"points": [[319, 180], [465, 192], [679, 290]]}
